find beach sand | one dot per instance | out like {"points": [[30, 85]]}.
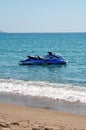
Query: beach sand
{"points": [[13, 117]]}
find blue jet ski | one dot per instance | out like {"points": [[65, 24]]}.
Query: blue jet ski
{"points": [[46, 60]]}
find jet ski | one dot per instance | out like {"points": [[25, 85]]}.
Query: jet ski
{"points": [[50, 58]]}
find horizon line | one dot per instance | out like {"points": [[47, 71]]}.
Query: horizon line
{"points": [[45, 32]]}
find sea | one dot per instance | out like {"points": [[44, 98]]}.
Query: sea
{"points": [[55, 82]]}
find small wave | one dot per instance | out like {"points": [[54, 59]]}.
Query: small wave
{"points": [[67, 92]]}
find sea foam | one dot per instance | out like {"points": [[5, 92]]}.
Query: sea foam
{"points": [[56, 91]]}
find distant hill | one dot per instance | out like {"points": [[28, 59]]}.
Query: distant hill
{"points": [[2, 32]]}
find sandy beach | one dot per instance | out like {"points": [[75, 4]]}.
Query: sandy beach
{"points": [[13, 117]]}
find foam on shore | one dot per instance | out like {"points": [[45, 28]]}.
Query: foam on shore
{"points": [[67, 92]]}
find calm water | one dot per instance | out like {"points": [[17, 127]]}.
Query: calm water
{"points": [[59, 82]]}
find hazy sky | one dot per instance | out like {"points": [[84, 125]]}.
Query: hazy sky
{"points": [[43, 15]]}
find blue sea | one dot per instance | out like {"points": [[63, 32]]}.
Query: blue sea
{"points": [[62, 82]]}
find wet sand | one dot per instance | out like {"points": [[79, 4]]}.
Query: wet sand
{"points": [[45, 103]]}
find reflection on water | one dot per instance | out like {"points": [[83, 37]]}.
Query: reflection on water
{"points": [[50, 73]]}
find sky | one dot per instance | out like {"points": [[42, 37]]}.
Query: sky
{"points": [[43, 15]]}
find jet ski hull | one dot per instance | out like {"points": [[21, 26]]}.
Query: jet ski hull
{"points": [[42, 62]]}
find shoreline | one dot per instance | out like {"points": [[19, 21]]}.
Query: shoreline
{"points": [[13, 117], [44, 103]]}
